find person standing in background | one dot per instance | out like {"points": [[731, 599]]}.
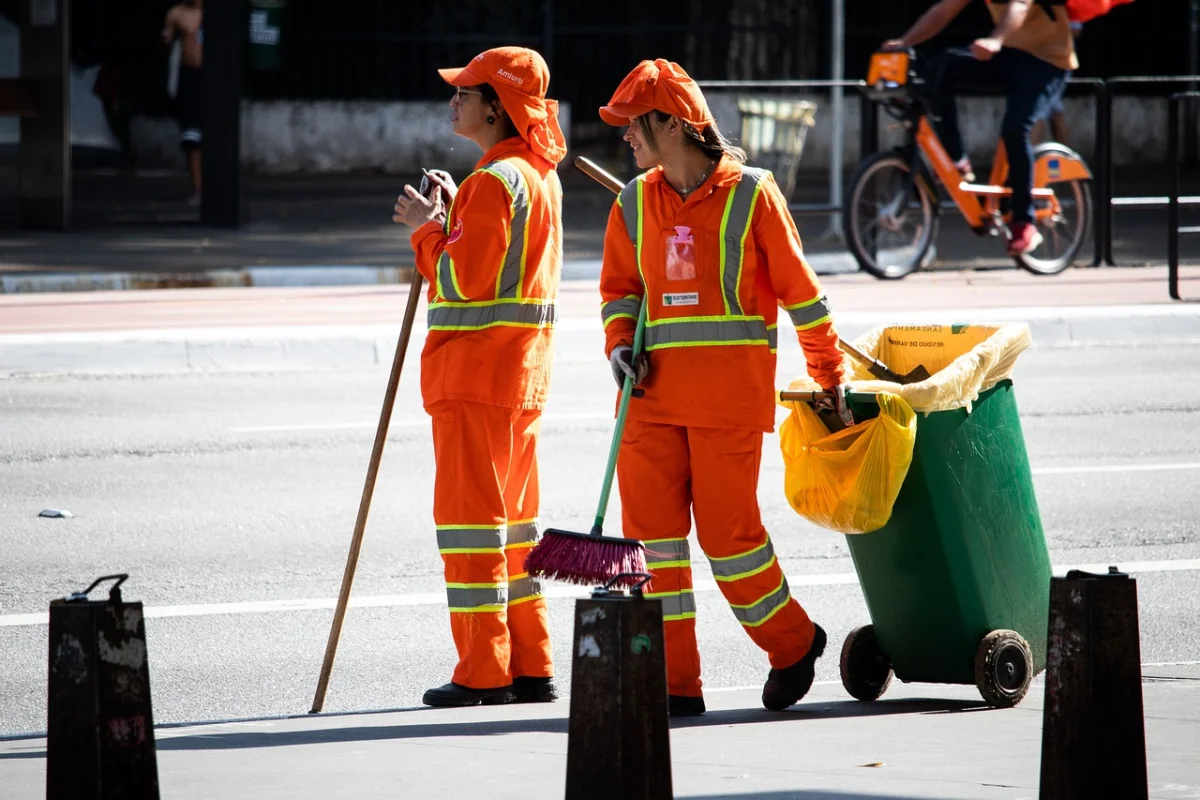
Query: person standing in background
{"points": [[185, 23]]}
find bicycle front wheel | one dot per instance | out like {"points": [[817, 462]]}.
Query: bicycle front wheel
{"points": [[891, 217]]}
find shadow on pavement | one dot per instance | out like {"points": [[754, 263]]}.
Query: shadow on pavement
{"points": [[830, 710]]}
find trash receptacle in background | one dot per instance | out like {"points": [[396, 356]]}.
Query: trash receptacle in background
{"points": [[773, 132], [957, 581]]}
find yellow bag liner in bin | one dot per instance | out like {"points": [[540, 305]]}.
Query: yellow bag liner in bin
{"points": [[848, 481]]}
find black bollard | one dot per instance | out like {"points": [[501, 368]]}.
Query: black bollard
{"points": [[100, 733], [1093, 732], [619, 739]]}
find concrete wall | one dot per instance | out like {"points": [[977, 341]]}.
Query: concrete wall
{"points": [[333, 137], [315, 137]]}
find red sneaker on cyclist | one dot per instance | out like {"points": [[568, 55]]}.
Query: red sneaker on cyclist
{"points": [[1024, 239]]}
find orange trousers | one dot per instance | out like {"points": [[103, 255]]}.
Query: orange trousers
{"points": [[485, 506], [667, 473]]}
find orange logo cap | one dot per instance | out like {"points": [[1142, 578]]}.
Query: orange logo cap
{"points": [[658, 85], [516, 68]]}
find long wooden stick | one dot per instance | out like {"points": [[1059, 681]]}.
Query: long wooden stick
{"points": [[364, 504]]}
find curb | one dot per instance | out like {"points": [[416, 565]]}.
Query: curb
{"points": [[322, 347], [286, 276]]}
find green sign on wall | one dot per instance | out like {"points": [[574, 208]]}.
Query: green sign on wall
{"points": [[265, 26]]}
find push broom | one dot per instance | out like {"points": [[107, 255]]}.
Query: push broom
{"points": [[593, 558]]}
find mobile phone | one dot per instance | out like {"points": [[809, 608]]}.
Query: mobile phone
{"points": [[427, 186]]}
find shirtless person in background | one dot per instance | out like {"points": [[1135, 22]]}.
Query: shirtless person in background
{"points": [[186, 23]]}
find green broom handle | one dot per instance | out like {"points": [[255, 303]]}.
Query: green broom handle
{"points": [[622, 412]]}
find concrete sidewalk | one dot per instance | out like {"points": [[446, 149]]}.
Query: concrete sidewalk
{"points": [[343, 327], [920, 741]]}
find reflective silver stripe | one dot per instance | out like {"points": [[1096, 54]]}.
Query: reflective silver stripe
{"points": [[473, 316], [691, 331], [521, 588], [522, 532], [668, 551], [625, 307], [473, 539], [676, 604], [514, 258], [445, 282], [631, 208], [808, 315], [735, 225], [477, 598], [773, 338], [744, 565], [757, 612]]}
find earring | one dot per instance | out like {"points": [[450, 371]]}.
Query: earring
{"points": [[491, 120]]}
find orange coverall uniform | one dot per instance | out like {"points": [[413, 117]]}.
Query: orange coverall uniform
{"points": [[494, 270], [714, 269]]}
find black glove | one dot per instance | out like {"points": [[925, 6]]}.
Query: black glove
{"points": [[625, 365], [837, 402]]}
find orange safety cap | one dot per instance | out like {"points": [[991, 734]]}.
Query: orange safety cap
{"points": [[520, 77], [658, 85]]}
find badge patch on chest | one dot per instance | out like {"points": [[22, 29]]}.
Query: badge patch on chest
{"points": [[681, 299]]}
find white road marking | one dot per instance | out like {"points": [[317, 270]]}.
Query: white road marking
{"points": [[1187, 465], [552, 592]]}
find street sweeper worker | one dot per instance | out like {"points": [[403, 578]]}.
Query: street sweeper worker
{"points": [[493, 260], [708, 242]]}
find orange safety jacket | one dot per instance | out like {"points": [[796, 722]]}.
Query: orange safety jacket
{"points": [[712, 337], [494, 270]]}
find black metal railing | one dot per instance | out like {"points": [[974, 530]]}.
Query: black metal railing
{"points": [[1174, 201]]}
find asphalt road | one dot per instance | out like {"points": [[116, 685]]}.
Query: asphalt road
{"points": [[212, 489]]}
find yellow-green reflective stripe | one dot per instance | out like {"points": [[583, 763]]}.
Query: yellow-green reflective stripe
{"points": [[447, 283], [764, 608], [475, 316], [521, 588], [471, 539], [677, 605], [508, 282], [692, 331], [733, 568], [628, 306], [810, 314], [724, 240], [735, 225], [522, 532], [476, 597], [668, 552]]}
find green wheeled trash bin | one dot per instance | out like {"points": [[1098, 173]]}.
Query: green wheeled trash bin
{"points": [[957, 582]]}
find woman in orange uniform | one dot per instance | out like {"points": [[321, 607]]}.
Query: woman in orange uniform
{"points": [[493, 261], [710, 245]]}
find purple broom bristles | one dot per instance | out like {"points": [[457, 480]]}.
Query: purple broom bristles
{"points": [[586, 560]]}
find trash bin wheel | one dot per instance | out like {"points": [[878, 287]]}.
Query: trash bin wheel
{"points": [[1003, 668], [866, 669]]}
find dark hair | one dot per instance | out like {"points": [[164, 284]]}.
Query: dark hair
{"points": [[711, 141], [489, 96]]}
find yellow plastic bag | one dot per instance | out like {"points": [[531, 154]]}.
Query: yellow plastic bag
{"points": [[847, 481]]}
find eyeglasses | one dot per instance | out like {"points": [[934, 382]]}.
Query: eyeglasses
{"points": [[462, 93]]}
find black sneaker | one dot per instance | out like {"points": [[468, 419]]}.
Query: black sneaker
{"points": [[534, 690], [680, 706], [451, 695], [785, 687]]}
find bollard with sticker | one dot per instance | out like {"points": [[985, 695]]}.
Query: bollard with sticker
{"points": [[618, 742], [100, 731]]}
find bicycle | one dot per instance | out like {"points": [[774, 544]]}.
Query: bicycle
{"points": [[895, 189]]}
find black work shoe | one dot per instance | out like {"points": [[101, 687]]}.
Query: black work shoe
{"points": [[785, 687], [534, 690], [451, 695], [680, 706]]}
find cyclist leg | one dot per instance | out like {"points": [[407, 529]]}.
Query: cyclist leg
{"points": [[945, 72], [1033, 86]]}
